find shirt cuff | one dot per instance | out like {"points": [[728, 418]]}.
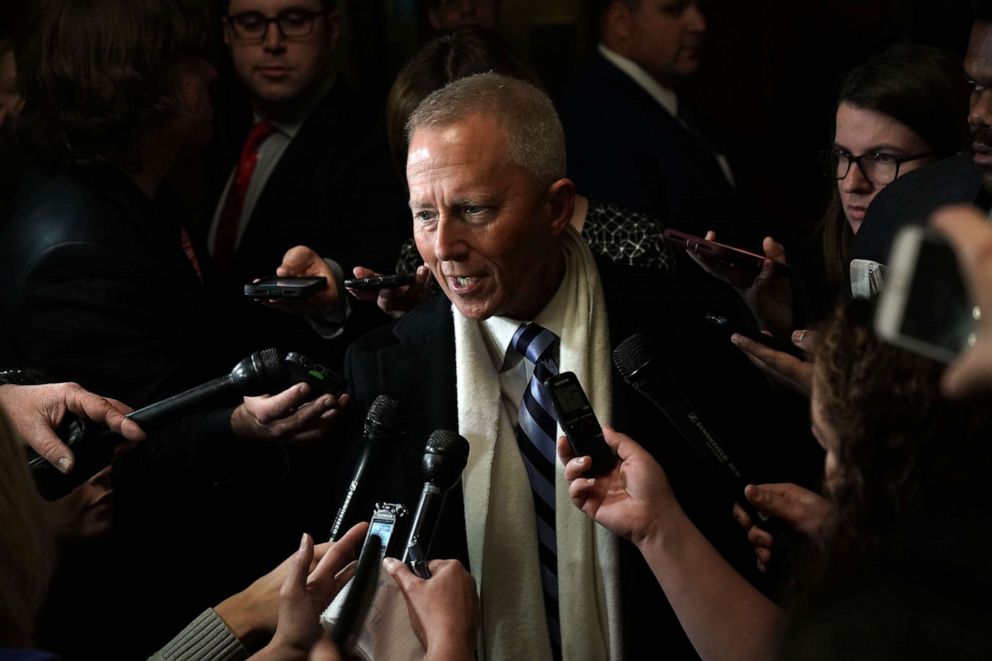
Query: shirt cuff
{"points": [[330, 323]]}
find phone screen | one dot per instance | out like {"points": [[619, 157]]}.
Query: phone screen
{"points": [[937, 309]]}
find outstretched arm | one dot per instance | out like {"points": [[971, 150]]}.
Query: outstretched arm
{"points": [[724, 616]]}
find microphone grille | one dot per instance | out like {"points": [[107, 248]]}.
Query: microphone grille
{"points": [[387, 412], [445, 457], [632, 355], [269, 363]]}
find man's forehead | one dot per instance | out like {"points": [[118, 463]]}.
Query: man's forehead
{"points": [[980, 46]]}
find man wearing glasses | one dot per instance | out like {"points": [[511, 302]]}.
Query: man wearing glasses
{"points": [[314, 170]]}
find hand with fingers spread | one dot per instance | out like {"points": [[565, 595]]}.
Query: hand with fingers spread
{"points": [[768, 295], [444, 609], [301, 261], [36, 411], [293, 595], [396, 301], [970, 234], [803, 510], [287, 416], [793, 373], [630, 499]]}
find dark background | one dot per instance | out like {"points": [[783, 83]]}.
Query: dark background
{"points": [[768, 81]]}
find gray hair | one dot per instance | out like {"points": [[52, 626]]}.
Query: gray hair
{"points": [[534, 136]]}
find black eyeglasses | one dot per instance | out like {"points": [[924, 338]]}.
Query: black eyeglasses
{"points": [[877, 167], [292, 24]]}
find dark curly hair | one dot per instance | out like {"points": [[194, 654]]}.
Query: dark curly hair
{"points": [[902, 448], [97, 75]]}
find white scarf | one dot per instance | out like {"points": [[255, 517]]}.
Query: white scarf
{"points": [[499, 516]]}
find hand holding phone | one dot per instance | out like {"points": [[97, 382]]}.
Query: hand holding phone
{"points": [[730, 328], [276, 287], [736, 257], [380, 281], [924, 306], [578, 421]]}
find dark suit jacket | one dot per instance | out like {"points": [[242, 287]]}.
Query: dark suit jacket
{"points": [[913, 197], [99, 291], [414, 362], [336, 190], [623, 147]]}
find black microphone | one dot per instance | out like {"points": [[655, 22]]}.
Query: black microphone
{"points": [[384, 427], [640, 367], [444, 460], [252, 376]]}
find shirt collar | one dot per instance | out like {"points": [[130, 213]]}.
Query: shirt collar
{"points": [[658, 92], [291, 126], [498, 331]]}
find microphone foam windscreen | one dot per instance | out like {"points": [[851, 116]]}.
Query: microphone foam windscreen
{"points": [[633, 354], [387, 413], [269, 364], [445, 457]]}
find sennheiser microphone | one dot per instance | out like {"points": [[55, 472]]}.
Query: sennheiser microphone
{"points": [[444, 460], [263, 372], [384, 426], [640, 367]]}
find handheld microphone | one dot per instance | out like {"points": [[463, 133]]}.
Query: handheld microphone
{"points": [[444, 460], [640, 367], [384, 426], [251, 376]]}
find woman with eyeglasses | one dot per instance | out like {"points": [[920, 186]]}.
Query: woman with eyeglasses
{"points": [[900, 110]]}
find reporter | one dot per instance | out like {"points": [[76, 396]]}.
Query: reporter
{"points": [[906, 472]]}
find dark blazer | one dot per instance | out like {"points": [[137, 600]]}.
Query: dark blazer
{"points": [[414, 362], [336, 190], [99, 291], [913, 197], [623, 147]]}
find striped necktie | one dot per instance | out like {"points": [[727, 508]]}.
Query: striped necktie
{"points": [[536, 426]]}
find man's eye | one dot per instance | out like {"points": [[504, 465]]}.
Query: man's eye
{"points": [[976, 88], [424, 216], [293, 18], [249, 21]]}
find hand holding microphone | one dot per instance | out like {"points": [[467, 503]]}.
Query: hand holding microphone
{"points": [[444, 460]]}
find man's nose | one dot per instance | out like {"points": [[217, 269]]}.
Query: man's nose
{"points": [[272, 39], [980, 111], [695, 19], [450, 242]]}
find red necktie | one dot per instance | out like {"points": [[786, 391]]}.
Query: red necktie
{"points": [[226, 238]]}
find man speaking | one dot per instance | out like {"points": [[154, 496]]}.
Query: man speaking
{"points": [[523, 299]]}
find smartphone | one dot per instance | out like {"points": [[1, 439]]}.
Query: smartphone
{"points": [[322, 379], [729, 254], [382, 525], [925, 306], [725, 324], [380, 281], [276, 287], [578, 420]]}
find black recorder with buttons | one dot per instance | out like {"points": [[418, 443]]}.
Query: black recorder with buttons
{"points": [[578, 421]]}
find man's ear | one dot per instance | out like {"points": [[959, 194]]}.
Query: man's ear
{"points": [[561, 204], [332, 24], [616, 24]]}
